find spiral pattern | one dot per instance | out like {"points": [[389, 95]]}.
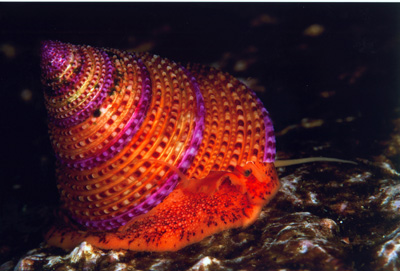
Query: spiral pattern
{"points": [[124, 125]]}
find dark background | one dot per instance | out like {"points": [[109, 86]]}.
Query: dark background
{"points": [[350, 69]]}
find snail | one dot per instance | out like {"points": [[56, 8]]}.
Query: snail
{"points": [[151, 155]]}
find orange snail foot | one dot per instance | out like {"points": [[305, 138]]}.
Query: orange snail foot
{"points": [[194, 210]]}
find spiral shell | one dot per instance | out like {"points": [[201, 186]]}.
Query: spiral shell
{"points": [[126, 128]]}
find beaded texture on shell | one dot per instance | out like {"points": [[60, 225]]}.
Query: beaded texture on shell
{"points": [[127, 128]]}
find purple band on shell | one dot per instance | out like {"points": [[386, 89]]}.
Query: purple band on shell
{"points": [[169, 185], [82, 59], [126, 134], [269, 149], [97, 100], [55, 58]]}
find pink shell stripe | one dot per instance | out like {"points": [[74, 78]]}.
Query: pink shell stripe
{"points": [[54, 63], [100, 95], [172, 181], [54, 58], [269, 149], [75, 81], [126, 134]]}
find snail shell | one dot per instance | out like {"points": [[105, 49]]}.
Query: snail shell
{"points": [[127, 128]]}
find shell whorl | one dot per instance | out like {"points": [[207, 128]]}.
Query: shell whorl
{"points": [[112, 113]]}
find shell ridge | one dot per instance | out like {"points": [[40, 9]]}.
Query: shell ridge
{"points": [[92, 105], [170, 184], [133, 125]]}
